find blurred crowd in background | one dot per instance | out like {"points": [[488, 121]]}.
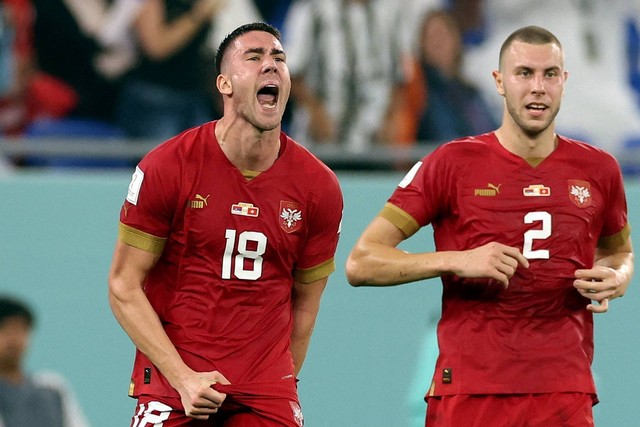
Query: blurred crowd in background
{"points": [[365, 73]]}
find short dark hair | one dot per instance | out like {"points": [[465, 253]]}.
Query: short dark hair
{"points": [[531, 35], [12, 307], [243, 29]]}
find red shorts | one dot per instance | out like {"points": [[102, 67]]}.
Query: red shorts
{"points": [[511, 410], [245, 405]]}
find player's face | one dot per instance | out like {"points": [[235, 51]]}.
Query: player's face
{"points": [[258, 79], [15, 335], [531, 80]]}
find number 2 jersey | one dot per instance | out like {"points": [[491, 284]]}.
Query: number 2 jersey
{"points": [[231, 247], [537, 335]]}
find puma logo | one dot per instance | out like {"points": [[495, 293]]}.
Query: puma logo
{"points": [[199, 201], [492, 190], [204, 199], [495, 187]]}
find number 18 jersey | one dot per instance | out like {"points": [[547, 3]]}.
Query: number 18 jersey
{"points": [[231, 247]]}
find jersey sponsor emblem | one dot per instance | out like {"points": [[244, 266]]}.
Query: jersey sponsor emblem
{"points": [[536, 190], [579, 193], [492, 190], [290, 216], [245, 209], [134, 186], [199, 201], [297, 413]]}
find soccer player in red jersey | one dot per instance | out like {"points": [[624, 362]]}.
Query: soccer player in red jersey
{"points": [[529, 226], [227, 237]]}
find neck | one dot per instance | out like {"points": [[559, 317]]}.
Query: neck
{"points": [[246, 147], [532, 148], [12, 375]]}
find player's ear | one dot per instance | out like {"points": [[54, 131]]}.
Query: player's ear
{"points": [[223, 83], [565, 76], [497, 77]]}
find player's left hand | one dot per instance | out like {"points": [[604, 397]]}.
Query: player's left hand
{"points": [[599, 284]]}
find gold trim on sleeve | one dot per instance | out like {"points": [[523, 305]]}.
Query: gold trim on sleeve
{"points": [[141, 240], [401, 219], [318, 272], [617, 240]]}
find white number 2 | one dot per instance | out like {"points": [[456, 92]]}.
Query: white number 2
{"points": [[238, 255], [543, 233]]}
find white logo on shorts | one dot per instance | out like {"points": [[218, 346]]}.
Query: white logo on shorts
{"points": [[297, 413]]}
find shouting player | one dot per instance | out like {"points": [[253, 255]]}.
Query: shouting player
{"points": [[227, 237]]}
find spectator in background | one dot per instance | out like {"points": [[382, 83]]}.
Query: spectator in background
{"points": [[452, 107], [67, 49], [25, 92], [29, 400], [344, 58], [469, 15], [31, 93], [171, 89], [15, 58]]}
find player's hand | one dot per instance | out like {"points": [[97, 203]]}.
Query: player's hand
{"points": [[493, 260], [600, 284], [199, 399]]}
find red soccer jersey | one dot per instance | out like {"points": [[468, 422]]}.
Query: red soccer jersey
{"points": [[231, 248], [537, 335]]}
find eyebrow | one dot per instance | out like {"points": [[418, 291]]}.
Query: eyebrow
{"points": [[529, 68], [262, 51]]}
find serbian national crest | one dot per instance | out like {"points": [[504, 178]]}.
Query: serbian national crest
{"points": [[290, 216], [580, 193]]}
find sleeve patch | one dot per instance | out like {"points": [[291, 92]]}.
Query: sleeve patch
{"points": [[134, 186], [410, 175]]}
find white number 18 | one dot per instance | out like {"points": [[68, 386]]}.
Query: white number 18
{"points": [[241, 253]]}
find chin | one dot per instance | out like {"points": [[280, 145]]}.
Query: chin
{"points": [[268, 127]]}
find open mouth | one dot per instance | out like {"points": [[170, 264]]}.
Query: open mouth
{"points": [[268, 96], [536, 107]]}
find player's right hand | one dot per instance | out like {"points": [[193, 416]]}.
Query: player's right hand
{"points": [[492, 260], [199, 399]]}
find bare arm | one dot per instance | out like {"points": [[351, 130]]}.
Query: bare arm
{"points": [[376, 261], [608, 278], [137, 317], [306, 303], [159, 39]]}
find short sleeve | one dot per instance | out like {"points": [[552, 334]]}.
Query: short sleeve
{"points": [[325, 219], [419, 197], [152, 197], [615, 229]]}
